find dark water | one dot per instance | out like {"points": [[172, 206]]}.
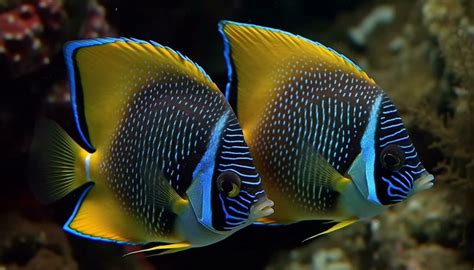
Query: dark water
{"points": [[423, 57]]}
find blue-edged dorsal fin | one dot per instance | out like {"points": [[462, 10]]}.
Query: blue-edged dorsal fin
{"points": [[105, 73], [259, 56]]}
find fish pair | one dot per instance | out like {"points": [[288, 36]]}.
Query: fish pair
{"points": [[162, 158]]}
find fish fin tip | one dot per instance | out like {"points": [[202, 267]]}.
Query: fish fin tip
{"points": [[334, 228], [169, 248], [55, 161]]}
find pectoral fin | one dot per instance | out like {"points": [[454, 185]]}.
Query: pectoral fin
{"points": [[320, 172]]}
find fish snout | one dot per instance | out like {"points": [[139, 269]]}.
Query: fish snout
{"points": [[424, 182], [262, 208]]}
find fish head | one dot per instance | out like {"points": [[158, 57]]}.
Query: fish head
{"points": [[231, 194], [388, 170], [238, 197]]}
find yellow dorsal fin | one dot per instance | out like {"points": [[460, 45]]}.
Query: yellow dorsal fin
{"points": [[105, 73], [336, 227], [261, 54]]}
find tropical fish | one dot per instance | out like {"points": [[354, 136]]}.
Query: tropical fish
{"points": [[326, 139], [163, 156]]}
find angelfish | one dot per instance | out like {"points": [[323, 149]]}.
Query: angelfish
{"points": [[163, 156], [326, 139]]}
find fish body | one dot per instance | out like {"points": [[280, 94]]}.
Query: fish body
{"points": [[326, 139], [164, 156]]}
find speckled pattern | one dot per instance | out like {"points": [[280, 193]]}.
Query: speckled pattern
{"points": [[165, 129], [316, 106]]}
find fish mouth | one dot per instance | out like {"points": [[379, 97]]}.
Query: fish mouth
{"points": [[424, 182], [263, 208]]}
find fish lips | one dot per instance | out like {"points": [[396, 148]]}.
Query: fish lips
{"points": [[262, 208]]}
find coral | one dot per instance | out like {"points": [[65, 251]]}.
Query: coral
{"points": [[33, 31], [29, 36], [33, 245], [424, 60], [379, 16], [95, 23], [448, 22]]}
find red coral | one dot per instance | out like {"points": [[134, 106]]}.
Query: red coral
{"points": [[29, 34]]}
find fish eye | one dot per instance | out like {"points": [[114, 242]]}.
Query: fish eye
{"points": [[392, 157], [228, 183]]}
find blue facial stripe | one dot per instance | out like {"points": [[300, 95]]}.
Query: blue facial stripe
{"points": [[388, 112], [383, 123], [391, 186], [239, 135], [245, 200], [391, 135], [248, 194], [419, 171], [238, 211], [238, 166], [406, 146], [409, 181], [237, 202], [394, 141], [234, 129], [391, 126], [235, 223], [401, 182], [237, 158], [234, 147], [226, 214], [368, 150], [415, 155], [412, 166], [206, 169], [234, 141], [236, 153], [240, 174]]}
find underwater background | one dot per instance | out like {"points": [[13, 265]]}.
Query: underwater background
{"points": [[421, 52]]}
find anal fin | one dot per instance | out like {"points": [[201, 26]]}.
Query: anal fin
{"points": [[97, 216], [336, 227], [171, 248]]}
